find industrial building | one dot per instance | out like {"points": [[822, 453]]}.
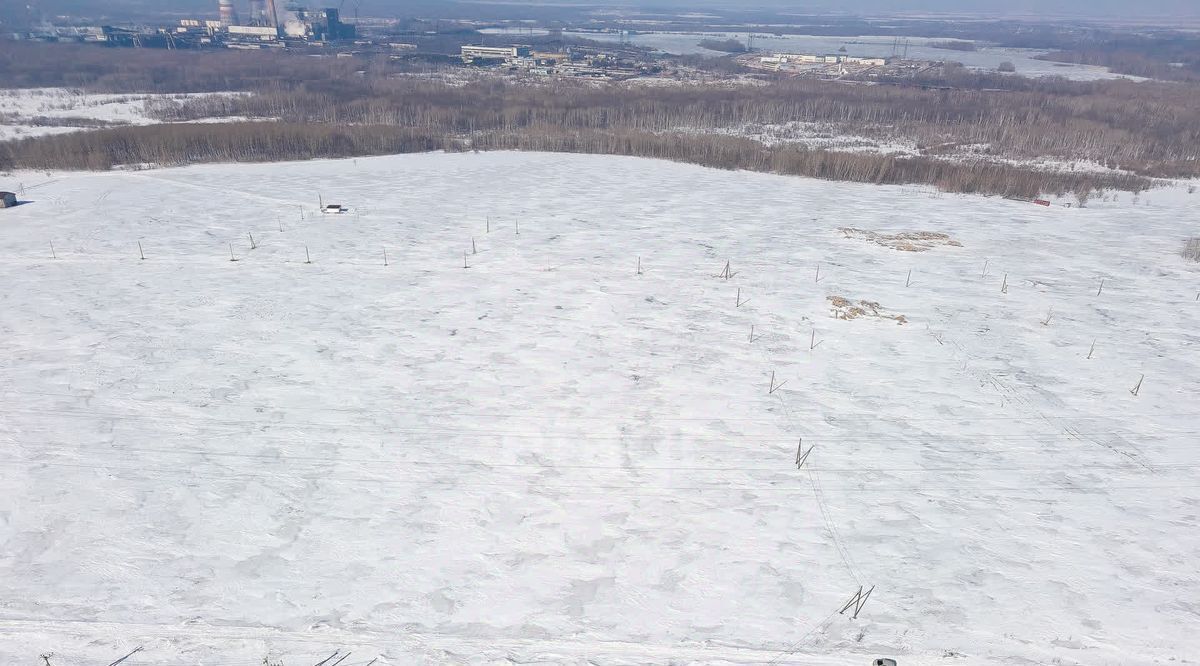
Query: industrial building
{"points": [[268, 25], [812, 59], [477, 55]]}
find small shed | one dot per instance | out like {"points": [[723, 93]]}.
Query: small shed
{"points": [[7, 199], [333, 209]]}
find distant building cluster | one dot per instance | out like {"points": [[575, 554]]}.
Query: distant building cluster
{"points": [[809, 59], [838, 65], [583, 62], [264, 25]]}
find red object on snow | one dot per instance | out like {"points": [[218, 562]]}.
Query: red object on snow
{"points": [[1041, 202]]}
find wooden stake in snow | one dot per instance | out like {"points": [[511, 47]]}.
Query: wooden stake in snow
{"points": [[1092, 350], [1049, 316], [232, 257], [320, 202], [343, 658], [908, 280], [302, 212], [307, 256], [817, 280], [1138, 389], [775, 387], [985, 267], [52, 253], [135, 651], [385, 263], [727, 273], [639, 266], [488, 223], [1004, 285], [812, 341], [802, 457], [326, 659], [1101, 289], [140, 252], [858, 601], [739, 300], [253, 245], [465, 260], [280, 223], [751, 333], [473, 250], [517, 226]]}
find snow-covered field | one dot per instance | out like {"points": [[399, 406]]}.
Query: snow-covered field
{"points": [[27, 112], [548, 458]]}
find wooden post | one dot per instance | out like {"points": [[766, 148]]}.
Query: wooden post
{"points": [[858, 601], [751, 333], [473, 250], [385, 262], [1004, 285], [817, 280], [137, 649], [307, 256], [141, 253], [908, 280], [862, 602], [232, 257], [1092, 350], [253, 245], [985, 267], [488, 222], [517, 226], [322, 662], [727, 273], [1101, 289], [53, 255], [775, 387], [280, 223], [464, 260], [639, 266], [1049, 315], [801, 458], [1138, 389]]}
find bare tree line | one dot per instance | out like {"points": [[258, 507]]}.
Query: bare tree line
{"points": [[1147, 129], [335, 107], [259, 142]]}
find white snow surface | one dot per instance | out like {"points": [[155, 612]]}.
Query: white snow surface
{"points": [[547, 458], [19, 107]]}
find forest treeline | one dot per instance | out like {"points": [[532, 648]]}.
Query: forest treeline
{"points": [[1150, 129], [168, 145], [309, 107]]}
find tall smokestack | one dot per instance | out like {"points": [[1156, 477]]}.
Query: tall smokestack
{"points": [[227, 12], [258, 12]]}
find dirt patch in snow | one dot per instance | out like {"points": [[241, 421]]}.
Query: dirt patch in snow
{"points": [[844, 308], [907, 241]]}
